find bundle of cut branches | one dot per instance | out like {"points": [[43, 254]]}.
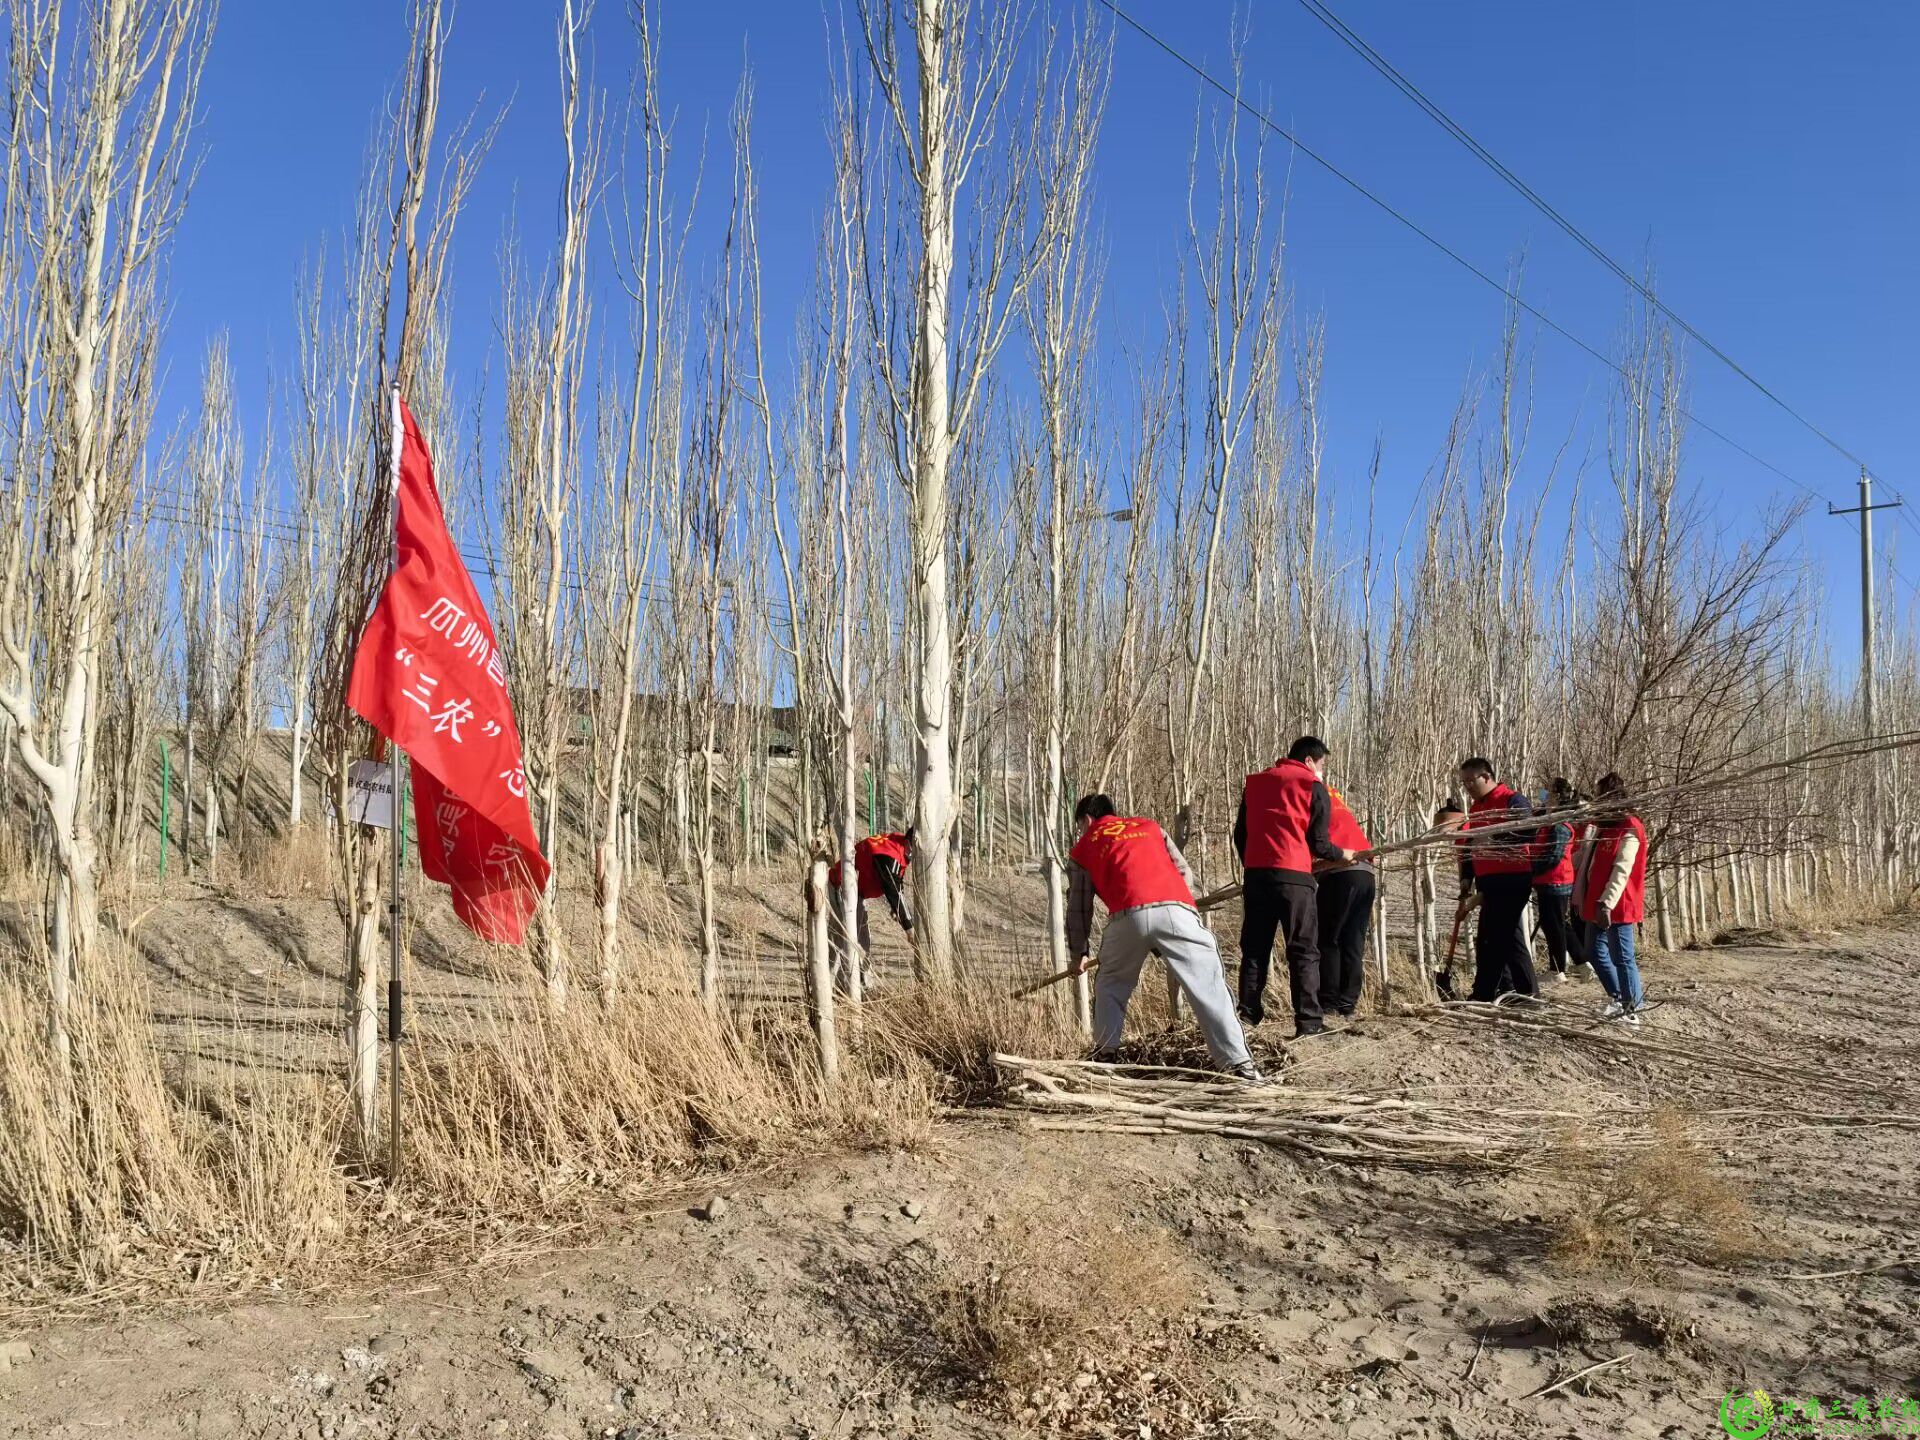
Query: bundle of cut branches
{"points": [[1451, 1128], [1335, 1125]]}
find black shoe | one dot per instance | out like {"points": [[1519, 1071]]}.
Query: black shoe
{"points": [[1317, 1027], [1249, 1019], [1250, 1073], [1104, 1057]]}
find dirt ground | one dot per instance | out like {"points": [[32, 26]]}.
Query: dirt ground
{"points": [[1339, 1300]]}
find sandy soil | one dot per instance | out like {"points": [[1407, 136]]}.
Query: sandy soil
{"points": [[1339, 1300]]}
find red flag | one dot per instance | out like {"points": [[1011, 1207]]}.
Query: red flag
{"points": [[428, 676]]}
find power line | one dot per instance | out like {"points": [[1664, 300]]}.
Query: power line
{"points": [[1400, 217], [1320, 11], [284, 525]]}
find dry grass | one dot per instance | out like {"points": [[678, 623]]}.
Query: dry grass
{"points": [[293, 862], [1632, 1206], [952, 1035], [514, 1108], [145, 1174], [1050, 1288], [112, 1178], [1060, 1318]]}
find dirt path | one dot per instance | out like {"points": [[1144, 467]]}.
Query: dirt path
{"points": [[1338, 1300]]}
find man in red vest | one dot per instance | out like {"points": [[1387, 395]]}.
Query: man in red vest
{"points": [[879, 869], [1345, 906], [1280, 832], [1140, 876], [1502, 875]]}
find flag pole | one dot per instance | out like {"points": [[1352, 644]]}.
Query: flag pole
{"points": [[396, 953]]}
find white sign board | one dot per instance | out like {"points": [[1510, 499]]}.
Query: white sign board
{"points": [[370, 797]]}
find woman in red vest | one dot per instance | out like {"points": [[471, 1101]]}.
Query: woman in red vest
{"points": [[1345, 902], [1553, 879], [1610, 890]]}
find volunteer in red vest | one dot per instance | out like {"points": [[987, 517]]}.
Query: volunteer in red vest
{"points": [[879, 869], [1552, 855], [1610, 893], [1140, 876], [1502, 868], [1345, 905], [1280, 832]]}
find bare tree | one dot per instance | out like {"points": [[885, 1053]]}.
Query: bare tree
{"points": [[395, 198], [96, 176], [1059, 313], [935, 347], [639, 454], [547, 340], [1234, 262]]}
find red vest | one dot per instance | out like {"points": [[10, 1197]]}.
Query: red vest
{"points": [[1498, 854], [1562, 871], [1126, 858], [1342, 828], [1279, 802], [1632, 906], [892, 846]]}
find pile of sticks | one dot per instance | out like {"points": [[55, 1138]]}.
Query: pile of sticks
{"points": [[1448, 1128], [1330, 1124]]}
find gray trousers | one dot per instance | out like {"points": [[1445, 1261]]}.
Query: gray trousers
{"points": [[842, 978], [1194, 960]]}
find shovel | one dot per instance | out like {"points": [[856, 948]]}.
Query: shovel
{"points": [[1443, 981]]}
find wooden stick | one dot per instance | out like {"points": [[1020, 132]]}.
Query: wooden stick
{"points": [[1849, 1274], [1220, 896], [1577, 1375], [1037, 986], [1204, 903], [1474, 1363]]}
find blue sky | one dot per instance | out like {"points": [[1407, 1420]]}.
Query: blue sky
{"points": [[1762, 154]]}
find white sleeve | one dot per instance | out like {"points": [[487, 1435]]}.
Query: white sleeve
{"points": [[1622, 870]]}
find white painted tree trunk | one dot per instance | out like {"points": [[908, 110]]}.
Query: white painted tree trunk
{"points": [[363, 991], [820, 974], [933, 667]]}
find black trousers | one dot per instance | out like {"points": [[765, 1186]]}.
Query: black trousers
{"points": [[1500, 947], [1346, 909], [1280, 901], [1550, 906], [1578, 939]]}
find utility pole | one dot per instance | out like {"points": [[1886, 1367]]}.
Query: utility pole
{"points": [[1868, 627]]}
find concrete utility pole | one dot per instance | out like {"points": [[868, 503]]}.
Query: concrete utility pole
{"points": [[1868, 627]]}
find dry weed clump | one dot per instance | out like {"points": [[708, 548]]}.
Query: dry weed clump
{"points": [[297, 861], [950, 1036], [1633, 1204], [1069, 1324]]}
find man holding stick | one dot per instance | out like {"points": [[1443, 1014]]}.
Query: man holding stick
{"points": [[880, 872], [1280, 832], [1502, 877], [1142, 878]]}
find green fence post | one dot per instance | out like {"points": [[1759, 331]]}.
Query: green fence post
{"points": [[166, 793]]}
